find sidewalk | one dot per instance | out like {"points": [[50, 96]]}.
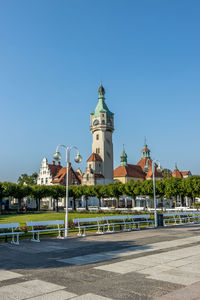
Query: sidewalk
{"points": [[147, 264]]}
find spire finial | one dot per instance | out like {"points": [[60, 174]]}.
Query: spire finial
{"points": [[145, 141], [176, 168], [101, 90]]}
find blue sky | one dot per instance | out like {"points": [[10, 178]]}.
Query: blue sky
{"points": [[53, 56]]}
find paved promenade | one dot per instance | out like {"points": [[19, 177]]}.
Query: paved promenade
{"points": [[146, 264]]}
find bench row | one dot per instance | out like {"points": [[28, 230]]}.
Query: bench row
{"points": [[178, 218], [108, 223]]}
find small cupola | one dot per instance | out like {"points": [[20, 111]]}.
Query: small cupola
{"points": [[123, 158], [145, 151]]}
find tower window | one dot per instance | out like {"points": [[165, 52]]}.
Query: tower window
{"points": [[102, 115], [97, 137], [87, 177], [97, 150], [103, 122]]}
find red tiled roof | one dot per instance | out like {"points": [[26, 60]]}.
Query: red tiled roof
{"points": [[94, 157], [129, 171], [142, 163], [145, 150], [54, 169], [60, 177], [184, 173], [157, 174], [176, 173]]}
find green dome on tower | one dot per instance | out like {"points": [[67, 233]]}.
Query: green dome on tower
{"points": [[123, 158]]}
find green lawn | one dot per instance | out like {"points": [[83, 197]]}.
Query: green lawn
{"points": [[45, 216]]}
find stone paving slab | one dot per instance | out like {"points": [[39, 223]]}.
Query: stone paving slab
{"points": [[57, 295], [5, 275], [27, 289], [163, 256], [91, 297], [191, 292]]}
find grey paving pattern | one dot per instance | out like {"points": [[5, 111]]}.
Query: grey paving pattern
{"points": [[144, 265], [178, 266], [93, 258]]}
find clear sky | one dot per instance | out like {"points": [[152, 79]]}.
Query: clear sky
{"points": [[53, 56]]}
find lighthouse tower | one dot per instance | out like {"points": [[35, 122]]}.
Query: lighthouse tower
{"points": [[100, 164]]}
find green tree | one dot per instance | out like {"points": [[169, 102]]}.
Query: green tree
{"points": [[56, 192], [87, 192], [20, 192], [99, 191], [133, 189], [115, 190], [167, 173], [147, 188], [173, 187], [2, 193], [38, 192], [26, 179], [75, 191]]}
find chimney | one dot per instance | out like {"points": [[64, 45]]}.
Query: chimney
{"points": [[53, 162]]}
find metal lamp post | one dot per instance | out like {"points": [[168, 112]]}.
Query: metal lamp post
{"points": [[159, 169], [77, 159]]}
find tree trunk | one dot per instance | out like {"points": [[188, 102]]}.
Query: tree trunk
{"points": [[117, 202], [0, 206], [38, 204], [74, 200], [86, 203], [57, 205], [19, 205], [99, 203]]}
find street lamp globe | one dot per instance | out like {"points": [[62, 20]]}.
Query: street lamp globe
{"points": [[57, 156], [78, 158]]}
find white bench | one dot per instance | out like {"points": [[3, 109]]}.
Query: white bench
{"points": [[36, 230], [195, 215], [137, 220], [11, 227], [177, 218], [112, 221], [84, 223]]}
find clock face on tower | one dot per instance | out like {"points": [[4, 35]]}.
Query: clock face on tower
{"points": [[96, 122]]}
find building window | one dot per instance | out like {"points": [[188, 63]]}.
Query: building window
{"points": [[46, 180], [97, 137], [42, 181], [103, 122]]}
